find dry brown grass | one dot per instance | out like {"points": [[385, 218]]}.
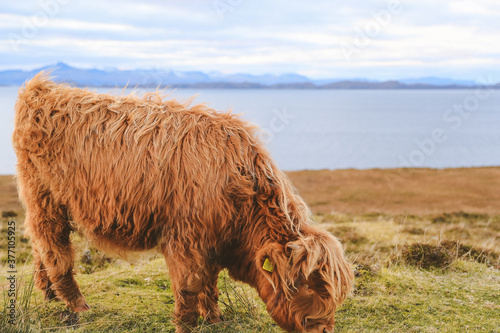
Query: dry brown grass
{"points": [[382, 240], [399, 191], [8, 195]]}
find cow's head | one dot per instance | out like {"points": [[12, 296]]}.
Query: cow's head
{"points": [[304, 281]]}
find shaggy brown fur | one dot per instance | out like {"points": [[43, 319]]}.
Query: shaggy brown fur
{"points": [[134, 174]]}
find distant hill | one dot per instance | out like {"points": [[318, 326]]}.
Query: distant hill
{"points": [[436, 81], [214, 80], [120, 78]]}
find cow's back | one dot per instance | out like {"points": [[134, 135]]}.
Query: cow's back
{"points": [[130, 168]]}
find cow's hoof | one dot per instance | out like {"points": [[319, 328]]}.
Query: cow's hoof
{"points": [[81, 308]]}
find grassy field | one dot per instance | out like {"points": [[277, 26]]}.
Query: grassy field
{"points": [[424, 244]]}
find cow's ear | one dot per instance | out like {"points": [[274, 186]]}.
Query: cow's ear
{"points": [[272, 262], [265, 259], [271, 259]]}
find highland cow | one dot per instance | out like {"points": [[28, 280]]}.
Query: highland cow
{"points": [[140, 173]]}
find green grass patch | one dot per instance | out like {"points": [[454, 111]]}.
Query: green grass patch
{"points": [[394, 290], [135, 298], [404, 299]]}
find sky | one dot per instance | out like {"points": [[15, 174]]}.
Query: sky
{"points": [[379, 40]]}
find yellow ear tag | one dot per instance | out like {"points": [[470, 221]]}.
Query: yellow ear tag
{"points": [[267, 265]]}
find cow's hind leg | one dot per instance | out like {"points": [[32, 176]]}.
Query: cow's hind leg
{"points": [[42, 281], [49, 229], [208, 306]]}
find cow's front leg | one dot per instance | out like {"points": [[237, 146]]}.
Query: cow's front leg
{"points": [[190, 276], [208, 299]]}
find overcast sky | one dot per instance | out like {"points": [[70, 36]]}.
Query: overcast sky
{"points": [[321, 38]]}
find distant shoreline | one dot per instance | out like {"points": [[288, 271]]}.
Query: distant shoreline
{"points": [[342, 85]]}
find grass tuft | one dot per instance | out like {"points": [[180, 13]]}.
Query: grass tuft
{"points": [[442, 255], [19, 314], [426, 256]]}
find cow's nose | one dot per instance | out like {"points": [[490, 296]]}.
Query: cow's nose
{"points": [[326, 329]]}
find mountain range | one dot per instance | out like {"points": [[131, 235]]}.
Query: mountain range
{"points": [[197, 79]]}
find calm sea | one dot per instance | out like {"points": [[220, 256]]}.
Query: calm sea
{"points": [[338, 129]]}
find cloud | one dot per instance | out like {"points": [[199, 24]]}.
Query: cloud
{"points": [[454, 39], [483, 8]]}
